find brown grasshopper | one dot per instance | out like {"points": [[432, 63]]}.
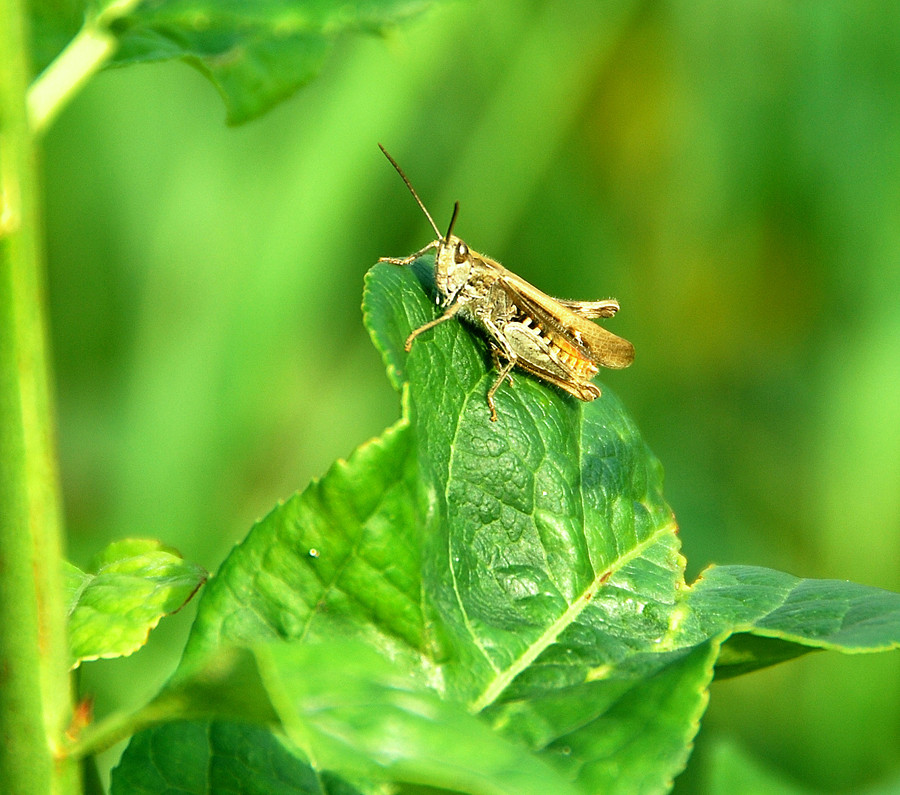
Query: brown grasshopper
{"points": [[550, 338]]}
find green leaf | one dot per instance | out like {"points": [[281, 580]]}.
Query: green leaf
{"points": [[258, 53], [776, 616], [129, 587], [629, 731], [216, 757]]}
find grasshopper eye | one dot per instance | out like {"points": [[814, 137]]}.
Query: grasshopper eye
{"points": [[462, 252]]}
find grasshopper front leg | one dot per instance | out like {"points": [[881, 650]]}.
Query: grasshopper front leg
{"points": [[412, 257], [451, 311]]}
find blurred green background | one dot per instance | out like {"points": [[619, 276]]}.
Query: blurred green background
{"points": [[729, 172]]}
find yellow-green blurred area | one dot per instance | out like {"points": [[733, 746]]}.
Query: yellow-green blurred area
{"points": [[730, 172]]}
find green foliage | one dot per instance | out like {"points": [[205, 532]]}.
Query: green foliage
{"points": [[256, 54], [462, 604], [526, 571], [340, 703], [129, 587], [211, 757], [787, 616]]}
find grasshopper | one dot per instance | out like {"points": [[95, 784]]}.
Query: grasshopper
{"points": [[548, 337]]}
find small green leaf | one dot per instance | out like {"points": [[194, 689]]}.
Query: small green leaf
{"points": [[776, 616], [258, 53], [129, 587]]}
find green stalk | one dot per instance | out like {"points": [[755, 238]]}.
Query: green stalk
{"points": [[35, 701], [82, 58]]}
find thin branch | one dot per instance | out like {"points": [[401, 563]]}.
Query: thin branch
{"points": [[82, 58]]}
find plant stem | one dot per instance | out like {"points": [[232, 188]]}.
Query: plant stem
{"points": [[64, 77], [82, 58], [35, 700]]}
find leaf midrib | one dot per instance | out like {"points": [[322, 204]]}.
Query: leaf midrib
{"points": [[568, 617]]}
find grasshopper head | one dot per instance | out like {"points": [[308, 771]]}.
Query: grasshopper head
{"points": [[452, 267]]}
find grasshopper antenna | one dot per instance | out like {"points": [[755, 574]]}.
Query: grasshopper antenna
{"points": [[416, 195], [452, 220]]}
